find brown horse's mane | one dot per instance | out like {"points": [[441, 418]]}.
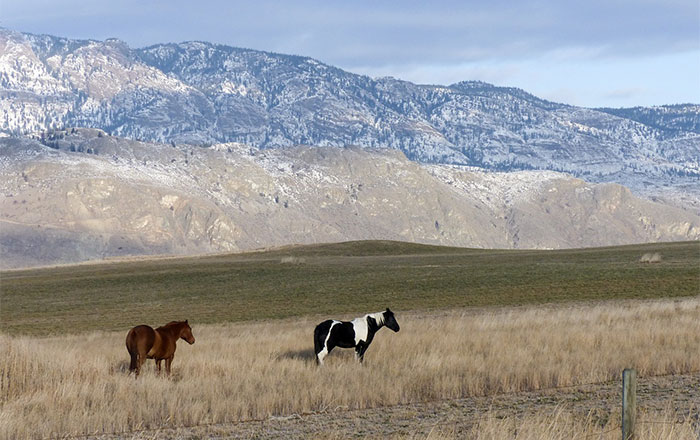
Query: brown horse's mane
{"points": [[173, 325]]}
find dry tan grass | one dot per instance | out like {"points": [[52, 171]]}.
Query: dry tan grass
{"points": [[563, 425], [79, 384]]}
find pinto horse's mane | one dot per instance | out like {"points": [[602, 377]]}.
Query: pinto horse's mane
{"points": [[378, 317]]}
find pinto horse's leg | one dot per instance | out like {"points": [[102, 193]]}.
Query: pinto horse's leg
{"points": [[323, 353], [360, 352], [320, 355]]}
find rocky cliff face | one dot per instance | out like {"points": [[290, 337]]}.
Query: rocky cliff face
{"points": [[91, 196], [201, 93]]}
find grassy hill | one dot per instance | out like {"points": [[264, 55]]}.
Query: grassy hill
{"points": [[334, 279]]}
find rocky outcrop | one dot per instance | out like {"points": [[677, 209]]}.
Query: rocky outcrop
{"points": [[95, 196]]}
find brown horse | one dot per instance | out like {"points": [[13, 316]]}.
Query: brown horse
{"points": [[145, 343]]}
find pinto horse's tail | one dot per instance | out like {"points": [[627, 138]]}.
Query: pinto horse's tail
{"points": [[319, 339]]}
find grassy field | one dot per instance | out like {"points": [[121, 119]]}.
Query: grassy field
{"points": [[63, 362], [70, 385], [338, 279]]}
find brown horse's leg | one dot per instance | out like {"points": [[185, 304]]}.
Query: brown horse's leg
{"points": [[139, 363], [169, 362], [158, 361]]}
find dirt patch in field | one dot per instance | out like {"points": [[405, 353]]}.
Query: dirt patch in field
{"points": [[601, 402]]}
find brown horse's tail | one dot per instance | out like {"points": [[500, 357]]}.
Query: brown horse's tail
{"points": [[132, 348], [134, 362]]}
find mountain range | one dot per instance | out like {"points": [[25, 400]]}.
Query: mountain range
{"points": [[201, 93], [107, 151]]}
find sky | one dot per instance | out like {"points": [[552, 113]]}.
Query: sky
{"points": [[592, 53]]}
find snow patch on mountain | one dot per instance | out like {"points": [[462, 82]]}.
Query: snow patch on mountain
{"points": [[202, 93]]}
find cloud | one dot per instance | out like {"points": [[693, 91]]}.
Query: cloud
{"points": [[625, 94], [440, 42], [375, 33]]}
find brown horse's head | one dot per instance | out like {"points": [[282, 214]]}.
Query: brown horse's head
{"points": [[186, 333]]}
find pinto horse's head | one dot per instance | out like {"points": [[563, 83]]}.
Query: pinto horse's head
{"points": [[186, 333], [390, 320]]}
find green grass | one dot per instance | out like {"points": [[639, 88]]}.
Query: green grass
{"points": [[334, 279]]}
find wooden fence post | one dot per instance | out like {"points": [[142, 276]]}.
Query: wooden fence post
{"points": [[629, 403]]}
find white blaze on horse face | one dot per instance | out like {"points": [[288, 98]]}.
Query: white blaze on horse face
{"points": [[323, 353]]}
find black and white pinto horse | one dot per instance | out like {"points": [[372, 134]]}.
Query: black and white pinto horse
{"points": [[357, 334]]}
